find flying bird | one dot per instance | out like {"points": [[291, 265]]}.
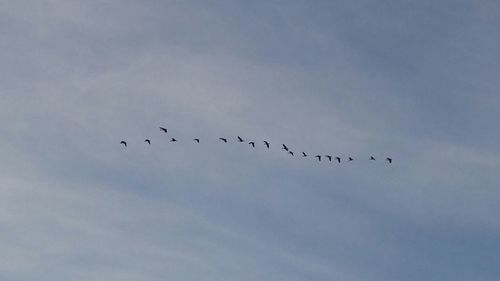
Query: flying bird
{"points": [[350, 159], [304, 154], [290, 152], [148, 141], [266, 143], [240, 139], [223, 139], [173, 140], [285, 147], [372, 158], [389, 159], [338, 159], [197, 140], [319, 157], [163, 129], [124, 143], [329, 157], [252, 143]]}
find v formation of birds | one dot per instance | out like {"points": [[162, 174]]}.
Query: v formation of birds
{"points": [[268, 145]]}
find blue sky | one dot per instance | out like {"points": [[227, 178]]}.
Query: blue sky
{"points": [[414, 80]]}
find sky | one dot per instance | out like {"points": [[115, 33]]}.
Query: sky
{"points": [[413, 80]]}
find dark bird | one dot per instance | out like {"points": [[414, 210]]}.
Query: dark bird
{"points": [[173, 140], [266, 143], [372, 158], [350, 159], [389, 159], [240, 139], [304, 154], [290, 152], [163, 129], [124, 143], [148, 141], [197, 140], [252, 143], [338, 159], [285, 147], [319, 157], [223, 139], [329, 157]]}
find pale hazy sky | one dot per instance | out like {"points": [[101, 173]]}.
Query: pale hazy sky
{"points": [[415, 80]]}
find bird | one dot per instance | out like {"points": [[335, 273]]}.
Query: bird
{"points": [[240, 139], [304, 154], [338, 159], [173, 140], [372, 158], [285, 147], [389, 159], [148, 141], [163, 129], [319, 157], [252, 143], [197, 140], [290, 152], [266, 143], [124, 143], [223, 139], [350, 159], [329, 157]]}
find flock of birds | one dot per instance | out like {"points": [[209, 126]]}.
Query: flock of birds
{"points": [[268, 145]]}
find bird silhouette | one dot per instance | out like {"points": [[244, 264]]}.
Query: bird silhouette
{"points": [[223, 139], [338, 159], [173, 140], [124, 143], [290, 152], [329, 157], [197, 140], [285, 147], [389, 159], [163, 129], [319, 157], [266, 143], [240, 139], [252, 143], [148, 141], [304, 154], [350, 159], [372, 158]]}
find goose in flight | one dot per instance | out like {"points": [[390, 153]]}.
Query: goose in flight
{"points": [[329, 157], [284, 147], [304, 154], [372, 158], [290, 152], [197, 140], [350, 159], [240, 139], [163, 129], [148, 141], [266, 143], [223, 139], [252, 143], [319, 157], [338, 159], [124, 143], [389, 159], [173, 140]]}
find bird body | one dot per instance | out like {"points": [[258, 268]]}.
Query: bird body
{"points": [[290, 152], [285, 147], [240, 139], [304, 154], [173, 140], [338, 159], [372, 158], [124, 143], [389, 159], [252, 143], [148, 141], [223, 139], [197, 140], [266, 143], [319, 157], [163, 129], [329, 157], [350, 159]]}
